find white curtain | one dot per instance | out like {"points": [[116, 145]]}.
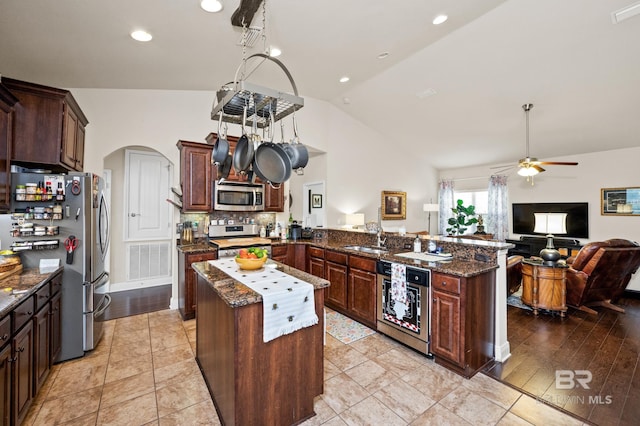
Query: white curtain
{"points": [[446, 202], [498, 216]]}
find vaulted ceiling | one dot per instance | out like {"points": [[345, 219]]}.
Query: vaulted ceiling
{"points": [[451, 93]]}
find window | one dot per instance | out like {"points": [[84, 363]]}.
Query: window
{"points": [[479, 199]]}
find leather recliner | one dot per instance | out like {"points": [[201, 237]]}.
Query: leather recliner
{"points": [[514, 273], [600, 272]]}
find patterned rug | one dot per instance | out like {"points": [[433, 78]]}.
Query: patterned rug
{"points": [[515, 300], [345, 329]]}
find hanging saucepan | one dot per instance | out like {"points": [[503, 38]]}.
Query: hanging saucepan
{"points": [[224, 169], [243, 155], [221, 147], [297, 151], [271, 163]]}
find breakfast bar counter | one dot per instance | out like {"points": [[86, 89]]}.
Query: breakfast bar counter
{"points": [[252, 381]]}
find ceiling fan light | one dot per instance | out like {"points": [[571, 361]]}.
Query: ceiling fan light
{"points": [[528, 171]]}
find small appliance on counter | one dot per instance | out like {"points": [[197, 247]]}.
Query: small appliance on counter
{"points": [[295, 231]]}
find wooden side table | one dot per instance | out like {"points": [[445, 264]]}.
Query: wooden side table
{"points": [[544, 287]]}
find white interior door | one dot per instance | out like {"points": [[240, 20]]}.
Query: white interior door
{"points": [[314, 205], [148, 215]]}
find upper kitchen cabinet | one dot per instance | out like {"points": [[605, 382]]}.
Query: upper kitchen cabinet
{"points": [[195, 176], [49, 128], [7, 103]]}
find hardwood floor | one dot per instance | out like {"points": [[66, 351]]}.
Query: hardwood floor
{"points": [[605, 346], [142, 301]]}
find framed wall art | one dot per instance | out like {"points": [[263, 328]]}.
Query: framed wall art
{"points": [[620, 201], [394, 205], [316, 201]]}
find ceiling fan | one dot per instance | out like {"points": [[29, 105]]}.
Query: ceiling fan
{"points": [[530, 166]]}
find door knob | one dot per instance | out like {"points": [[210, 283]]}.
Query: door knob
{"points": [[134, 214]]}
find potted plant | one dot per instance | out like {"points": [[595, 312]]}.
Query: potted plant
{"points": [[462, 217]]}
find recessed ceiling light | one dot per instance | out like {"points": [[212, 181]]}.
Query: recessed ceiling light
{"points": [[141, 35], [274, 52], [383, 55], [211, 5], [440, 19], [344, 79]]}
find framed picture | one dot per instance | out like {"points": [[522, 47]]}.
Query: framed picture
{"points": [[394, 205], [620, 201], [316, 201]]}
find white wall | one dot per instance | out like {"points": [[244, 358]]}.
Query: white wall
{"points": [[359, 163], [581, 183]]}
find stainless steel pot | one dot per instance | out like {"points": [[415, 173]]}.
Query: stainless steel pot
{"points": [[221, 146], [243, 155]]}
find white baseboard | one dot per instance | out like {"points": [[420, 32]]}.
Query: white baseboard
{"points": [[502, 352]]}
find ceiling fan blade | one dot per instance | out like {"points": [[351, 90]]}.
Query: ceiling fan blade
{"points": [[538, 168], [558, 163]]}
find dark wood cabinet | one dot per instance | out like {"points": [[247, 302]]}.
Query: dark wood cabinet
{"points": [[7, 102], [49, 129], [361, 293], [56, 325], [187, 281], [196, 176], [279, 253], [463, 321], [274, 198], [5, 384], [22, 389], [315, 263], [41, 347], [336, 271]]}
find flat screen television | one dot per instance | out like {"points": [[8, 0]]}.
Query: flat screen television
{"points": [[577, 218]]}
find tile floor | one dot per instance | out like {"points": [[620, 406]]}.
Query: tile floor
{"points": [[143, 372]]}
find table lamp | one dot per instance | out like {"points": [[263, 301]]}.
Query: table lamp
{"points": [[430, 208], [354, 220], [550, 223]]}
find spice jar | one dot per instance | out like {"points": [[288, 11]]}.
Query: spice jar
{"points": [[30, 190], [21, 193]]}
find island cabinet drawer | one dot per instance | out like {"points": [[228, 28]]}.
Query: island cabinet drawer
{"points": [[279, 250], [23, 313], [5, 330], [446, 283], [42, 296], [362, 263], [316, 252], [335, 257]]}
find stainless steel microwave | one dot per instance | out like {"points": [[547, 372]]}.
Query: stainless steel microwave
{"points": [[238, 197]]}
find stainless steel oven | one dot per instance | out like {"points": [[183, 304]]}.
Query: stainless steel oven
{"points": [[411, 327], [244, 197]]}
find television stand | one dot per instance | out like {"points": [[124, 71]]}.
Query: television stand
{"points": [[528, 246]]}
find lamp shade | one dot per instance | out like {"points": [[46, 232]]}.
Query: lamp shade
{"points": [[550, 223], [355, 219], [430, 207]]}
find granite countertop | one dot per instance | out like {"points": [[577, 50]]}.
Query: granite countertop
{"points": [[30, 280], [455, 266], [236, 294], [199, 247]]}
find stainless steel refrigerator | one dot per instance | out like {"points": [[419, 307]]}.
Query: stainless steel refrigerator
{"points": [[76, 204]]}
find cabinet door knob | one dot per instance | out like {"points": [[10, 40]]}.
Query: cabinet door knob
{"points": [[443, 284]]}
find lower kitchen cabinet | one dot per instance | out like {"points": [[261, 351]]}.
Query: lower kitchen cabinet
{"points": [[335, 270], [187, 280], [41, 347], [22, 360], [463, 324], [315, 262], [56, 325], [294, 255], [361, 292], [5, 385]]}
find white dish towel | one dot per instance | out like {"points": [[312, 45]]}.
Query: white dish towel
{"points": [[399, 289], [288, 303]]}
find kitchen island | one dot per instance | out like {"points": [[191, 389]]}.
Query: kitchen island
{"points": [[250, 381]]}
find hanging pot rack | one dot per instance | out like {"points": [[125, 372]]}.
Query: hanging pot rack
{"points": [[260, 101]]}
